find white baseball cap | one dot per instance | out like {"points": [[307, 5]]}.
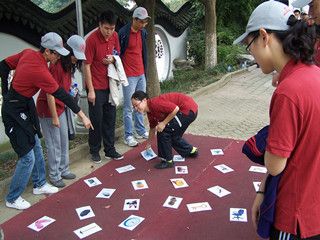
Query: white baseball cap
{"points": [[53, 41], [141, 13], [78, 46], [301, 3], [270, 15]]}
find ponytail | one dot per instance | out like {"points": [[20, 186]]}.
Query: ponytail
{"points": [[299, 40]]}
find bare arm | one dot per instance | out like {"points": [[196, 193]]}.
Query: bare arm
{"points": [[162, 125], [53, 110], [274, 164], [88, 79], [255, 210]]}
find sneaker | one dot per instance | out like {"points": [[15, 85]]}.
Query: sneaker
{"points": [[19, 204], [114, 155], [194, 152], [131, 141], [69, 176], [58, 184], [143, 136], [45, 189], [164, 164], [95, 157]]}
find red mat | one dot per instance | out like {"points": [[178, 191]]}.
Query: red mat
{"points": [[160, 223]]}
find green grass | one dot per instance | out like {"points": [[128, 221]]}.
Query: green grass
{"points": [[184, 81]]}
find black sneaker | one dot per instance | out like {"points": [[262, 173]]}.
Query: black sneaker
{"points": [[194, 152], [95, 157], [114, 155], [164, 164]]}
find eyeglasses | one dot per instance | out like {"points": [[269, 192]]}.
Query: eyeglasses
{"points": [[145, 21], [250, 43], [135, 106]]}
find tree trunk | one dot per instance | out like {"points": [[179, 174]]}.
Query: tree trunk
{"points": [[153, 84], [211, 34]]}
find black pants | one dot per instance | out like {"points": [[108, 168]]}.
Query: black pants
{"points": [[171, 136], [276, 235], [103, 118]]}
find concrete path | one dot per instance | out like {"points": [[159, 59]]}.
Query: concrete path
{"points": [[234, 107]]}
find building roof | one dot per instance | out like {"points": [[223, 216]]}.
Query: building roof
{"points": [[24, 19]]}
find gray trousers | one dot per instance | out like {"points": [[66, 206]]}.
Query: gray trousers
{"points": [[57, 144]]}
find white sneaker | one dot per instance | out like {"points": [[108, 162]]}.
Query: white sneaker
{"points": [[145, 136], [45, 189], [131, 141], [19, 204]]}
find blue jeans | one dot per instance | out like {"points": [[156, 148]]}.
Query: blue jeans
{"points": [[135, 84], [30, 164]]}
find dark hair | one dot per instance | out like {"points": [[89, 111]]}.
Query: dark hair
{"points": [[67, 64], [108, 17], [298, 41], [139, 95], [296, 10]]}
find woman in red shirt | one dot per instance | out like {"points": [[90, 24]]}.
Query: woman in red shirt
{"points": [[54, 124], [280, 42], [169, 115]]}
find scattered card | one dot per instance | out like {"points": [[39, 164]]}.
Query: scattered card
{"points": [[223, 168], [215, 152], [258, 169], [131, 222], [172, 202], [139, 184], [105, 193], [124, 169], [199, 207], [179, 183], [238, 215], [85, 212], [181, 169], [148, 154], [92, 182], [41, 223], [87, 230], [256, 185], [131, 204], [219, 191], [178, 158]]}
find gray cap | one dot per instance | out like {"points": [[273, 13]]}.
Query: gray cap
{"points": [[78, 46], [141, 13], [53, 41], [271, 15], [301, 3]]}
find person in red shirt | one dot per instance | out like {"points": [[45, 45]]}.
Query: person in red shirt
{"points": [[20, 118], [169, 116], [133, 42], [100, 46], [55, 125], [278, 41]]}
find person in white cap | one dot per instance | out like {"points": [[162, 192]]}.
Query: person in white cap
{"points": [[20, 117], [133, 42], [55, 125], [279, 42]]}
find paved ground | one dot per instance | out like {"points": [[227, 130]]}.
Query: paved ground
{"points": [[235, 107]]}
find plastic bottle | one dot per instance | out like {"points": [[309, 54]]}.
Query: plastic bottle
{"points": [[74, 89], [229, 68]]}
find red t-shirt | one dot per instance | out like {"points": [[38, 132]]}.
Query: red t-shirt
{"points": [[160, 107], [97, 48], [64, 80], [31, 73], [294, 133], [132, 59]]}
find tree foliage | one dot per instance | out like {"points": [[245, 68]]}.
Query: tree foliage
{"points": [[52, 6]]}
